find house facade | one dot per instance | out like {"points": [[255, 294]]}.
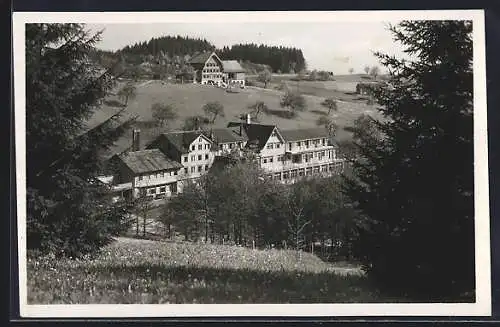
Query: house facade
{"points": [[191, 149], [208, 68], [145, 172], [234, 74], [288, 155]]}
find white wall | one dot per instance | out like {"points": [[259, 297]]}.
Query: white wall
{"points": [[207, 158]]}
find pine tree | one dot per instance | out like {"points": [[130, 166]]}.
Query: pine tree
{"points": [[414, 186], [67, 210]]}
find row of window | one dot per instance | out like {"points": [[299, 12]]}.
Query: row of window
{"points": [[211, 64], [200, 169], [334, 168], [271, 146], [172, 188], [231, 145], [212, 75], [200, 146], [193, 158], [309, 143], [299, 158], [211, 70], [158, 175]]}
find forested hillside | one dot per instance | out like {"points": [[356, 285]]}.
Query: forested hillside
{"points": [[170, 45], [280, 59]]}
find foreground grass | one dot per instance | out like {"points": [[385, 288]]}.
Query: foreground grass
{"points": [[133, 271]]}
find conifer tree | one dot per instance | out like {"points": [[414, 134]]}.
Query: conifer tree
{"points": [[67, 210], [414, 185]]}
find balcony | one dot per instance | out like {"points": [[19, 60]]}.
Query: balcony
{"points": [[288, 165]]}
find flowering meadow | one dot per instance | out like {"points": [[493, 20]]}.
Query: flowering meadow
{"points": [[141, 271]]}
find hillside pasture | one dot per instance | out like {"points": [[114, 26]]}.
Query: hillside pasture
{"points": [[142, 271], [188, 99]]}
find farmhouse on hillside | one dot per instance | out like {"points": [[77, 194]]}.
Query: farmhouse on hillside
{"points": [[210, 69]]}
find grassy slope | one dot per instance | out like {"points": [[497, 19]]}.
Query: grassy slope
{"points": [[138, 271], [189, 99]]}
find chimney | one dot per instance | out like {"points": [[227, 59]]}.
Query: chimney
{"points": [[249, 120], [136, 140]]}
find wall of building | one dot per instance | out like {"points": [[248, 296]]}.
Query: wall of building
{"points": [[272, 154], [212, 71], [199, 160]]}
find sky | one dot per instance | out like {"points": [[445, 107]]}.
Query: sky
{"points": [[332, 46]]}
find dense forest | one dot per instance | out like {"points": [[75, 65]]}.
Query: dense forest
{"points": [[280, 59], [171, 45]]}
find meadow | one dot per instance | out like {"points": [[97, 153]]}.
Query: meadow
{"points": [[188, 100], [144, 271]]}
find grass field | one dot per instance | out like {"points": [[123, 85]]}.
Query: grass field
{"points": [[188, 99], [141, 271]]}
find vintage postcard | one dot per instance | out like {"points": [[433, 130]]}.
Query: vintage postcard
{"points": [[212, 164]]}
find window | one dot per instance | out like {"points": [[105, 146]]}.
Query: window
{"points": [[152, 191], [307, 144], [324, 141], [285, 175], [199, 157], [206, 157], [192, 169], [264, 160], [200, 147], [163, 189], [207, 146], [290, 146], [269, 146], [301, 172], [140, 178], [175, 173], [193, 148], [277, 176], [271, 159], [200, 169], [231, 145], [185, 159], [278, 145], [329, 154], [298, 143], [221, 146], [173, 188], [293, 173], [162, 174], [206, 167], [193, 158], [185, 170]]}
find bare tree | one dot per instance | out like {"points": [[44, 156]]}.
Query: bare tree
{"points": [[258, 108], [366, 70], [162, 113], [351, 70]]}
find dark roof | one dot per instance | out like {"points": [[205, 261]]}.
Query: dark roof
{"points": [[257, 134], [202, 58], [232, 66], [304, 134], [182, 139], [226, 135], [148, 161]]}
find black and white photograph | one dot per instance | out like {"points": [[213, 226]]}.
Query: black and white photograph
{"points": [[252, 163]]}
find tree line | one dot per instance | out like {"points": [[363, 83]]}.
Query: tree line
{"points": [[168, 45], [281, 59], [237, 204]]}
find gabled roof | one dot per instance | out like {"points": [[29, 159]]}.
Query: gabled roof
{"points": [[148, 161], [226, 135], [202, 58], [232, 66], [257, 134], [304, 134], [181, 140]]}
